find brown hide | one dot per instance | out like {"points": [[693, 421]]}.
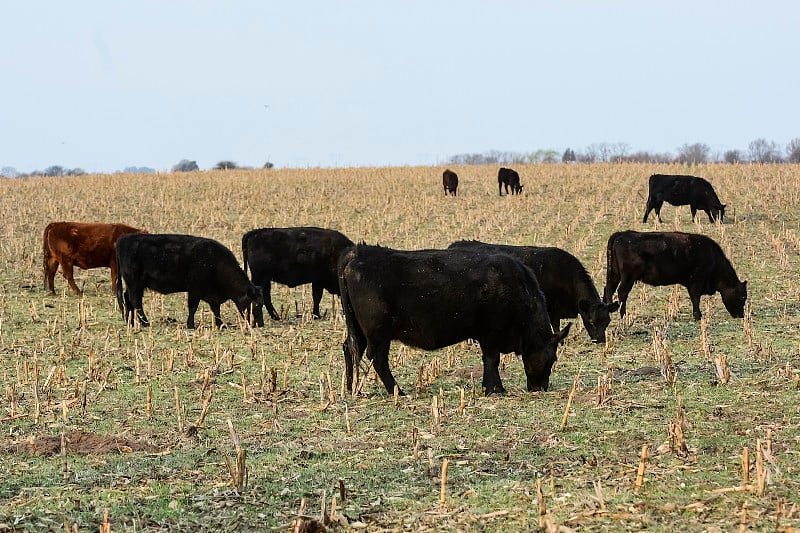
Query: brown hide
{"points": [[82, 244]]}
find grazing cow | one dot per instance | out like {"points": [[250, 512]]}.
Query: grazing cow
{"points": [[82, 244], [668, 258], [568, 289], [509, 178], [430, 299], [450, 182], [203, 268], [292, 257], [683, 190]]}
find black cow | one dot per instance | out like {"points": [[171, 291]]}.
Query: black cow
{"points": [[292, 257], [568, 289], [434, 298], [509, 178], [668, 258], [683, 190], [449, 182], [203, 268]]}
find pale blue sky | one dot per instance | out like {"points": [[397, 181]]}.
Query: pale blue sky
{"points": [[103, 85]]}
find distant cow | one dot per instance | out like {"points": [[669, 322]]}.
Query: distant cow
{"points": [[203, 268], [509, 178], [568, 289], [292, 257], [450, 182], [683, 190], [82, 244], [668, 258], [430, 299]]}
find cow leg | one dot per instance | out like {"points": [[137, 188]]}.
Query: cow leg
{"points": [[710, 217], [693, 209], [625, 287], [378, 353], [215, 309], [653, 204], [114, 275], [258, 310], [134, 297], [694, 295], [492, 384], [66, 269], [268, 302], [647, 210], [316, 295], [50, 273], [353, 349], [194, 303], [612, 282]]}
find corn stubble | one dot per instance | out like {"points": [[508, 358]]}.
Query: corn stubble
{"points": [[276, 395]]}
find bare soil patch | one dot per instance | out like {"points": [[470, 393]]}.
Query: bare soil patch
{"points": [[81, 443]]}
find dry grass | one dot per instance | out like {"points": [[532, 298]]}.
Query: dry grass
{"points": [[297, 452]]}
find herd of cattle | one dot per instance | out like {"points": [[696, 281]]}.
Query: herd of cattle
{"points": [[507, 298]]}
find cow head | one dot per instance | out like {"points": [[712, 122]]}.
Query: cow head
{"points": [[539, 363], [596, 318], [252, 295], [718, 212], [734, 299]]}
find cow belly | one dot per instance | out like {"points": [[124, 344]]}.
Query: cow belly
{"points": [[430, 334], [87, 262], [166, 286]]}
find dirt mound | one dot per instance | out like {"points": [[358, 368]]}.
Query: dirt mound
{"points": [[81, 443]]}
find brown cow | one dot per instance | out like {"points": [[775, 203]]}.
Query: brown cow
{"points": [[82, 244], [449, 182]]}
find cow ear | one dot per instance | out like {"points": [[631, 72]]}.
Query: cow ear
{"points": [[744, 284], [561, 335], [613, 307]]}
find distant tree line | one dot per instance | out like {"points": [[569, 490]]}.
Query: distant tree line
{"points": [[184, 165], [758, 151]]}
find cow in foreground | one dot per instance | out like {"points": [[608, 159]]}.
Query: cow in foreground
{"points": [[508, 178], [568, 289], [292, 257], [203, 268], [430, 299], [668, 258], [80, 244], [682, 190], [450, 182]]}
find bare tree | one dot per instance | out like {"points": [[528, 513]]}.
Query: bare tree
{"points": [[184, 165], [225, 165], [733, 156], [9, 172], [763, 151], [693, 154], [793, 150]]}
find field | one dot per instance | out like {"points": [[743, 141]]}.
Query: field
{"points": [[163, 428]]}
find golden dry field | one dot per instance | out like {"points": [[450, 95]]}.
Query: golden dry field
{"points": [[240, 429]]}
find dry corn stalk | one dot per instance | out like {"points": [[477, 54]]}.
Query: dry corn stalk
{"points": [[722, 369]]}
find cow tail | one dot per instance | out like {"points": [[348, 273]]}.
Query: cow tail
{"points": [[118, 288], [611, 267], [46, 254], [354, 333], [245, 238]]}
